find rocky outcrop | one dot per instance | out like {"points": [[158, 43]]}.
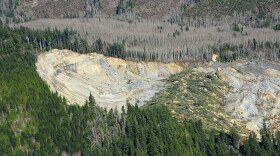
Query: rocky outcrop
{"points": [[254, 93], [111, 81]]}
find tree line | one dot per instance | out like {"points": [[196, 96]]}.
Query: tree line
{"points": [[36, 121]]}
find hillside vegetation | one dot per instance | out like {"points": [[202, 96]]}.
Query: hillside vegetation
{"points": [[163, 41], [36, 121], [196, 95], [173, 10], [239, 94], [258, 8], [160, 30], [187, 118]]}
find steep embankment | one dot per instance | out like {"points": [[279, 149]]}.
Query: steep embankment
{"points": [[112, 81], [197, 94], [239, 94], [222, 95], [254, 93]]}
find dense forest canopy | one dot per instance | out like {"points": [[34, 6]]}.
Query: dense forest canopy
{"points": [[36, 121]]}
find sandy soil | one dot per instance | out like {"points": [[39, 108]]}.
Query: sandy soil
{"points": [[111, 81]]}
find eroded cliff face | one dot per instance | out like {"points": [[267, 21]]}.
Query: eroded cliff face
{"points": [[254, 93], [111, 81]]}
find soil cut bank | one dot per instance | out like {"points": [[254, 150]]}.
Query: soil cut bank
{"points": [[111, 81]]}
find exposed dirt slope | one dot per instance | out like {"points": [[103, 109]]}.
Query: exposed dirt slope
{"points": [[112, 81], [239, 94], [254, 93]]}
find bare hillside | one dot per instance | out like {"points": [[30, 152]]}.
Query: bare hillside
{"points": [[254, 94], [111, 81], [224, 95], [241, 94]]}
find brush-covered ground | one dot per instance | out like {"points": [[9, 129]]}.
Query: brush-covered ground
{"points": [[241, 94], [199, 96], [36, 121]]}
